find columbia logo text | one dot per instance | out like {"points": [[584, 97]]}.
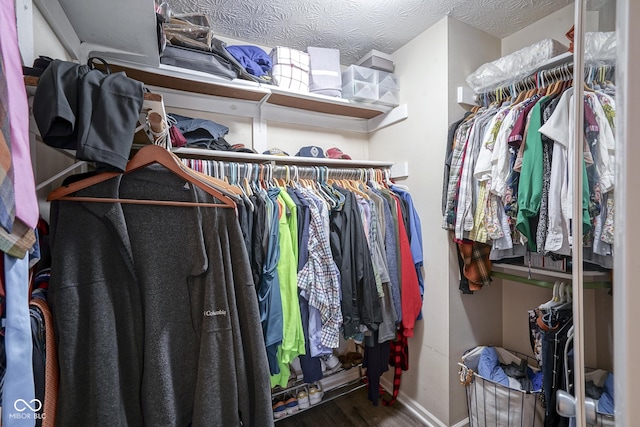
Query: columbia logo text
{"points": [[210, 313]]}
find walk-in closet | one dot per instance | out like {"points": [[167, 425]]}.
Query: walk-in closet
{"points": [[300, 213]]}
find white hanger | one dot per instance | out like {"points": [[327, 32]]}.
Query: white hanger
{"points": [[554, 298], [567, 298]]}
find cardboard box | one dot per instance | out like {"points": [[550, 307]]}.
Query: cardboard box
{"points": [[378, 61]]}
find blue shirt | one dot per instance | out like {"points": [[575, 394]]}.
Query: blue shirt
{"points": [[269, 299]]}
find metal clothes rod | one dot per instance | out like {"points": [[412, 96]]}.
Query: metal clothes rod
{"points": [[236, 171], [543, 78], [544, 283]]}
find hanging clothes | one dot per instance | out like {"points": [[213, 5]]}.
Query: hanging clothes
{"points": [[357, 250], [174, 312], [292, 338], [269, 298], [18, 219], [319, 283], [510, 176], [360, 303]]}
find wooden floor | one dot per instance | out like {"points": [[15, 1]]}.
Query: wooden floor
{"points": [[353, 410]]}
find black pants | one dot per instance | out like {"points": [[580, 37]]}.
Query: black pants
{"points": [[553, 344]]}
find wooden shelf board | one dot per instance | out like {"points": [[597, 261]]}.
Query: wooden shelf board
{"points": [[322, 106]]}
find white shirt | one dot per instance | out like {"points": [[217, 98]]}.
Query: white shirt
{"points": [[559, 128]]}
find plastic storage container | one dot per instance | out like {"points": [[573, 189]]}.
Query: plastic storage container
{"points": [[360, 91], [360, 74], [388, 89], [388, 97], [360, 84]]}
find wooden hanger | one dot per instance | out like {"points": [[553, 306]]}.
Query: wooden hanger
{"points": [[147, 155], [521, 97]]}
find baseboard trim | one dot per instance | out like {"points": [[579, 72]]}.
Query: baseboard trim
{"points": [[462, 423], [418, 410]]}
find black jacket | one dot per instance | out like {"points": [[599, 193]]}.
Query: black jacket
{"points": [[360, 302]]}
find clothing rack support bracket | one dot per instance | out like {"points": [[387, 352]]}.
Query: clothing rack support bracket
{"points": [[398, 114]]}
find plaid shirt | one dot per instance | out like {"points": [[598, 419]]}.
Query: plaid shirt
{"points": [[477, 266], [460, 145], [319, 280], [464, 213]]}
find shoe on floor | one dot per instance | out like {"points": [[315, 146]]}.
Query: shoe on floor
{"points": [[292, 405], [315, 393], [303, 399], [331, 363], [279, 409]]}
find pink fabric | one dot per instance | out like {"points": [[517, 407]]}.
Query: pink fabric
{"points": [[24, 184]]}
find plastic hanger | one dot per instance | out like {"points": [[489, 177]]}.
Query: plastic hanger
{"points": [[210, 174], [247, 179], [567, 299], [147, 155], [555, 297], [323, 188]]}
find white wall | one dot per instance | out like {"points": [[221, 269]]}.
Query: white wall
{"points": [[473, 319], [45, 41], [553, 26]]}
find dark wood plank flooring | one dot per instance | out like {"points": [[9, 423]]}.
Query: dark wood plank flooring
{"points": [[353, 410]]}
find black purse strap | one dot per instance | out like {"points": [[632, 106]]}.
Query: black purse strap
{"points": [[91, 62]]}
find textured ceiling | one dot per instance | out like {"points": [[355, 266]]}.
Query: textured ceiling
{"points": [[357, 26]]}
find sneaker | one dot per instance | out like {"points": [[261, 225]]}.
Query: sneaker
{"points": [[315, 393], [331, 363], [303, 399], [292, 405], [279, 409]]}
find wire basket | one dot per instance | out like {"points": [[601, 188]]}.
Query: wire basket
{"points": [[602, 419], [492, 404]]}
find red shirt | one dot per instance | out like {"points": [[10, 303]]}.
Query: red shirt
{"points": [[410, 288]]}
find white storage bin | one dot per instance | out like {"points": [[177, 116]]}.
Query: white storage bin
{"points": [[360, 91], [360, 74], [388, 80], [387, 96]]}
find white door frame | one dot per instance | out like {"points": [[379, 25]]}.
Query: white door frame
{"points": [[626, 289]]}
